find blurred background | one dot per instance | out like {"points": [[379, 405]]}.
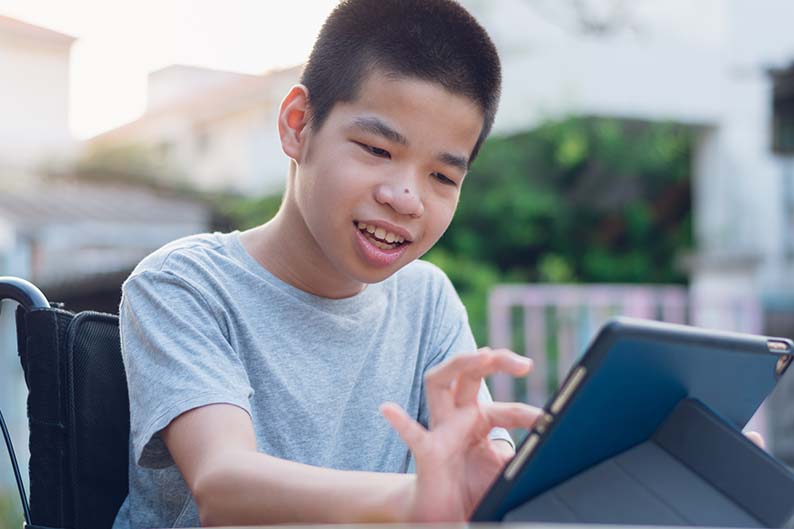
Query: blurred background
{"points": [[642, 163]]}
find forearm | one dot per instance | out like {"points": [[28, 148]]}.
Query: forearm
{"points": [[252, 488]]}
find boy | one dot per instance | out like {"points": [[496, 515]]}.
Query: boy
{"points": [[259, 363]]}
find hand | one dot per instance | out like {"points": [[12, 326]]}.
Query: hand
{"points": [[456, 462]]}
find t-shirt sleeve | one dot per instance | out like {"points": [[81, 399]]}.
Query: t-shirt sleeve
{"points": [[453, 336], [176, 356]]}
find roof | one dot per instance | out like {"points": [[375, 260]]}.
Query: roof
{"points": [[23, 29], [84, 237], [68, 202], [189, 68], [213, 102]]}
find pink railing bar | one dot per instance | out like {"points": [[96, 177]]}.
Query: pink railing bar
{"points": [[535, 340], [639, 303], [566, 339], [500, 303], [674, 303], [727, 311]]}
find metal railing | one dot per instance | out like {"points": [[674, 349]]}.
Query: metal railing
{"points": [[553, 324]]}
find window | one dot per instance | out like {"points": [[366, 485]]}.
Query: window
{"points": [[783, 111]]}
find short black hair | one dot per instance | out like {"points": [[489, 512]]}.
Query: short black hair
{"points": [[430, 40]]}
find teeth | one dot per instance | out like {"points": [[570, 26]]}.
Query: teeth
{"points": [[383, 246], [382, 234]]}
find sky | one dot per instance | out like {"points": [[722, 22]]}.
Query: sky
{"points": [[120, 42]]}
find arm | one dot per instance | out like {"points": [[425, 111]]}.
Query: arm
{"points": [[214, 448]]}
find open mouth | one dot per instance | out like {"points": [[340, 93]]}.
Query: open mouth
{"points": [[381, 238]]}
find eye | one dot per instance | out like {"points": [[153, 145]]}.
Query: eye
{"points": [[444, 180], [374, 151]]}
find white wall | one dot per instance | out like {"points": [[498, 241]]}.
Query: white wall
{"points": [[222, 140], [242, 153], [177, 81], [34, 94]]}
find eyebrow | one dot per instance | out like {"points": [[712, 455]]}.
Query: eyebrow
{"points": [[376, 126], [459, 162]]}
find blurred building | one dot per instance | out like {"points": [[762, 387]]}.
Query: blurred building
{"points": [[69, 236], [34, 97], [215, 130], [78, 242], [725, 68]]}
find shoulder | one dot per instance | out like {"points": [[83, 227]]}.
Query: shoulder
{"points": [[195, 263], [194, 248]]}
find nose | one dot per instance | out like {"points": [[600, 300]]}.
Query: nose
{"points": [[402, 195]]}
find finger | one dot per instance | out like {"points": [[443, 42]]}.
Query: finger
{"points": [[484, 362], [444, 374], [440, 379], [756, 438], [440, 401], [413, 433], [469, 382], [503, 448], [511, 414], [457, 380]]}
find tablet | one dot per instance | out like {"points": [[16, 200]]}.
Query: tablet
{"points": [[632, 376]]}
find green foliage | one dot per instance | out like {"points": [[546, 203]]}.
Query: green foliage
{"points": [[581, 200], [10, 511], [245, 213], [123, 161], [129, 164]]}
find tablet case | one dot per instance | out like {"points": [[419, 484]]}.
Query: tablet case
{"points": [[621, 392], [696, 469]]}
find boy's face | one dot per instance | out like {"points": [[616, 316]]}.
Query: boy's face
{"points": [[391, 162]]}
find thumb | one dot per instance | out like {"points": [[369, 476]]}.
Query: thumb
{"points": [[413, 433]]}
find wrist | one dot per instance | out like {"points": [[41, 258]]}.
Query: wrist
{"points": [[394, 505], [401, 506]]}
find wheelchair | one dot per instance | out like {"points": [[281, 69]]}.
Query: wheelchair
{"points": [[77, 410]]}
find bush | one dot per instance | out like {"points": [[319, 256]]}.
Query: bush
{"points": [[10, 510]]}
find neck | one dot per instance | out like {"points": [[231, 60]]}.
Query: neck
{"points": [[288, 250]]}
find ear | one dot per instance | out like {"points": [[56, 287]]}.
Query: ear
{"points": [[293, 116]]}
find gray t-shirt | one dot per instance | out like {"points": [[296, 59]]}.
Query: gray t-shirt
{"points": [[203, 322]]}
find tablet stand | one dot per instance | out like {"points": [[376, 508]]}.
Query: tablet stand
{"points": [[695, 470]]}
